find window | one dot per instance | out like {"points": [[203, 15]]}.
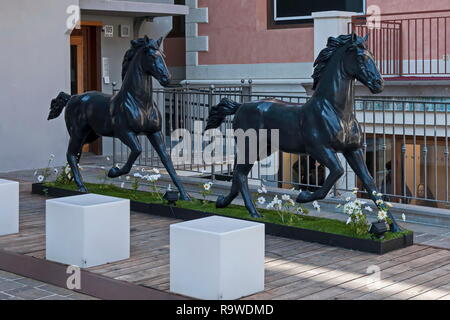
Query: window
{"points": [[178, 25], [298, 12]]}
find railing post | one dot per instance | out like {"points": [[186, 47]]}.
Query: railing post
{"points": [[246, 90]]}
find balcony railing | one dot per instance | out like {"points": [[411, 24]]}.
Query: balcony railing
{"points": [[408, 44], [406, 144]]}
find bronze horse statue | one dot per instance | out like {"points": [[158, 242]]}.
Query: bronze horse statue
{"points": [[321, 127], [127, 114]]}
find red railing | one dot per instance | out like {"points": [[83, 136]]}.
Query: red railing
{"points": [[408, 44]]}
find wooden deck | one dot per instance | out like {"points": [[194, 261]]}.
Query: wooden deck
{"points": [[294, 269]]}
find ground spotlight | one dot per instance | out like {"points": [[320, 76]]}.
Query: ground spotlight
{"points": [[171, 196]]}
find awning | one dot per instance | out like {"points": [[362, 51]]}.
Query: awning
{"points": [[131, 8]]}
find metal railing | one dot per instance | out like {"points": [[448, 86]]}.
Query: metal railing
{"points": [[406, 144], [408, 44]]}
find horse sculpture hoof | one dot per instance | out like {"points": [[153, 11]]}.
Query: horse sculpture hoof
{"points": [[83, 189], [255, 214], [220, 202], [114, 172], [185, 197], [394, 228], [304, 196]]}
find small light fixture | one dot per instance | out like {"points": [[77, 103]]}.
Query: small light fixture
{"points": [[171, 196], [378, 228]]}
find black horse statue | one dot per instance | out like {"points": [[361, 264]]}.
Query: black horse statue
{"points": [[321, 127], [129, 113]]}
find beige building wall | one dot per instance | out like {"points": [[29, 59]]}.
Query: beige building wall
{"points": [[34, 67]]}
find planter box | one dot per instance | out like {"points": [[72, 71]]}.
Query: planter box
{"points": [[336, 240]]}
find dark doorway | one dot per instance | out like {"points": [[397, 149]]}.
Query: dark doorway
{"points": [[85, 67]]}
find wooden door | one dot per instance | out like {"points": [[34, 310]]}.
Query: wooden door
{"points": [[85, 65]]}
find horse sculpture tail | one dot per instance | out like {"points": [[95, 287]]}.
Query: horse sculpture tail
{"points": [[57, 105], [217, 114]]}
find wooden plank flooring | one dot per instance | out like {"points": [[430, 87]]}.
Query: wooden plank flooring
{"points": [[294, 269]]}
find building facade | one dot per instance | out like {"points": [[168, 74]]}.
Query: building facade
{"points": [[266, 45]]}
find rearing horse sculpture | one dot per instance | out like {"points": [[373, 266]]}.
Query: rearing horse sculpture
{"points": [[321, 127], [129, 113]]}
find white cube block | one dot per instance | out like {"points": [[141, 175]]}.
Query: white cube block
{"points": [[87, 230], [9, 207], [217, 258]]}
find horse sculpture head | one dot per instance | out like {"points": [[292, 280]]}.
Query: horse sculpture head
{"points": [[357, 61], [360, 63], [151, 59]]}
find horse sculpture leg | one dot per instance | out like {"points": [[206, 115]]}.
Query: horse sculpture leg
{"points": [[329, 159], [224, 201], [158, 143], [73, 155], [131, 141], [357, 163], [242, 171]]}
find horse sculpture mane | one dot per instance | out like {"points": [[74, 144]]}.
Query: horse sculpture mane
{"points": [[135, 46], [325, 55]]}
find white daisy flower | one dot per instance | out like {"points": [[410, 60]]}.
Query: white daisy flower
{"points": [[55, 171], [382, 215], [153, 177], [349, 220], [128, 178], [206, 186], [338, 206], [40, 178], [316, 205], [348, 199], [389, 204], [368, 209], [286, 197], [155, 170], [262, 190], [403, 217], [261, 200], [107, 158], [122, 185], [379, 194]]}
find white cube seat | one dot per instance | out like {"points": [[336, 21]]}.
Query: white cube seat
{"points": [[87, 230], [9, 207], [217, 258]]}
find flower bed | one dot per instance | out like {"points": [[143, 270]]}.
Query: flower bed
{"points": [[289, 225]]}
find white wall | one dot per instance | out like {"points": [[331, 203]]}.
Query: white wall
{"points": [[34, 67]]}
